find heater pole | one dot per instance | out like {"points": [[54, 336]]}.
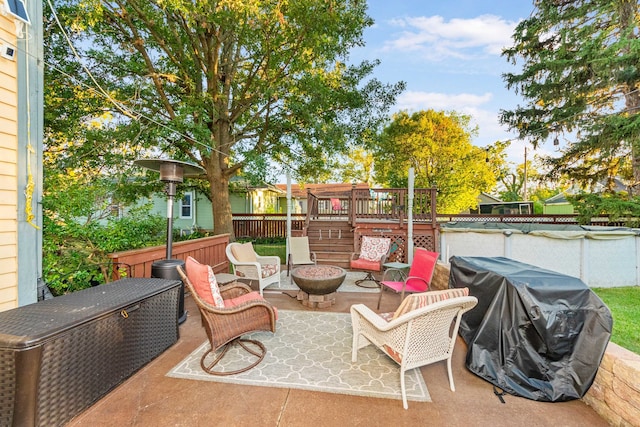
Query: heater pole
{"points": [[171, 192]]}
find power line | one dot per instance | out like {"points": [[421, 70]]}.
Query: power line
{"points": [[125, 110]]}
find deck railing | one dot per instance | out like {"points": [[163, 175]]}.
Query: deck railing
{"points": [[258, 226], [373, 204], [275, 225]]}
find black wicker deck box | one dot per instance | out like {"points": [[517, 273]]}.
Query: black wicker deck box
{"points": [[59, 356]]}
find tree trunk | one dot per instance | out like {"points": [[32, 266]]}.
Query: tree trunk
{"points": [[221, 204]]}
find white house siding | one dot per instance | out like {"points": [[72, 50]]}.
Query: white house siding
{"points": [[8, 172]]}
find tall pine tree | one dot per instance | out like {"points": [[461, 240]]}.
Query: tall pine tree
{"points": [[580, 79]]}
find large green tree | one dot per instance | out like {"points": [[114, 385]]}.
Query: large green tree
{"points": [[232, 84], [438, 146], [580, 79]]}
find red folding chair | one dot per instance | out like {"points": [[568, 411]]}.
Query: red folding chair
{"points": [[418, 279]]}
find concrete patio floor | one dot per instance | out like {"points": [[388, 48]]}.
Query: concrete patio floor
{"points": [[149, 398]]}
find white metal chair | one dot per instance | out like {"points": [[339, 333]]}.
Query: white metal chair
{"points": [[299, 253], [414, 338], [246, 264]]}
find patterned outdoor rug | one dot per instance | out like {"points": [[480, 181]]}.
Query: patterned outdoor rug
{"points": [[349, 284], [312, 351]]}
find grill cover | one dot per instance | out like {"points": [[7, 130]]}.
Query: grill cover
{"points": [[535, 333]]}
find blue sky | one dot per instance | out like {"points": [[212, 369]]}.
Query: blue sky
{"points": [[448, 53]]}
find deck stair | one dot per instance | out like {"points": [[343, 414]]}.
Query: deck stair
{"points": [[332, 241]]}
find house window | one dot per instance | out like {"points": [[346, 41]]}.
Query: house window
{"points": [[186, 205]]}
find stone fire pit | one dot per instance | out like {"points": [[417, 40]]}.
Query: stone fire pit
{"points": [[318, 279]]}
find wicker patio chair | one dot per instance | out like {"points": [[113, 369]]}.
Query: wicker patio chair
{"points": [[244, 311], [251, 266], [414, 337]]}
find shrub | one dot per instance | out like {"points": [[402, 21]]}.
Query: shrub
{"points": [[75, 254]]}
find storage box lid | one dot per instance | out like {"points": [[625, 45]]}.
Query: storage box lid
{"points": [[26, 326]]}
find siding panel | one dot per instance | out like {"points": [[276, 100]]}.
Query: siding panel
{"points": [[8, 171]]}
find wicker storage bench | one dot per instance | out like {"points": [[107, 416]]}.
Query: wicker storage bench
{"points": [[59, 356]]}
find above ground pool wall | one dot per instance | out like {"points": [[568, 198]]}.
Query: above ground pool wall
{"points": [[600, 257]]}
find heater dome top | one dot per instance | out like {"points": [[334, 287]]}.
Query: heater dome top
{"points": [[171, 170]]}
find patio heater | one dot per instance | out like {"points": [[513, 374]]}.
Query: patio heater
{"points": [[172, 172]]}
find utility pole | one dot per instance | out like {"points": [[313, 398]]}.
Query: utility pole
{"points": [[526, 196]]}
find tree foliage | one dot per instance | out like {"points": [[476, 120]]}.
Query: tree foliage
{"points": [[619, 207], [75, 250], [438, 146], [232, 84], [580, 79]]}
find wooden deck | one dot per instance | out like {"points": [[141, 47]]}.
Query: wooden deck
{"points": [[335, 223]]}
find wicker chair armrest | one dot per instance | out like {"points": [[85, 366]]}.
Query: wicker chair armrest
{"points": [[269, 259], [355, 256], [234, 289], [466, 304], [247, 305], [382, 325], [361, 310], [250, 270], [224, 324], [255, 264]]}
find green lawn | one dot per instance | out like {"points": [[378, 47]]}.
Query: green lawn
{"points": [[266, 248], [624, 304]]}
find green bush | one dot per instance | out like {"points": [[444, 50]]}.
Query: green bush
{"points": [[75, 254], [619, 207]]}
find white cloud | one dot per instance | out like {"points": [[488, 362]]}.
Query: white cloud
{"points": [[416, 100], [437, 39], [475, 106]]}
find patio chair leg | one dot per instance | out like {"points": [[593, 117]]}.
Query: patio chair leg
{"points": [[368, 278], [380, 296], [259, 352]]}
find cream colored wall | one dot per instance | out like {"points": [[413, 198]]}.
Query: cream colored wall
{"points": [[8, 172]]}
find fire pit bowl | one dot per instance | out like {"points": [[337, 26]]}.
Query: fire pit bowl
{"points": [[318, 279]]}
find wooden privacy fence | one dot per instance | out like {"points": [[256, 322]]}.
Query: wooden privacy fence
{"points": [[138, 262]]}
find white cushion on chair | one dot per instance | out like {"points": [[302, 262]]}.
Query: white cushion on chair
{"points": [[244, 252]]}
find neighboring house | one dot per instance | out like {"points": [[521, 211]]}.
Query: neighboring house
{"points": [[246, 198], [21, 131], [490, 205], [557, 205], [484, 199], [193, 211]]}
